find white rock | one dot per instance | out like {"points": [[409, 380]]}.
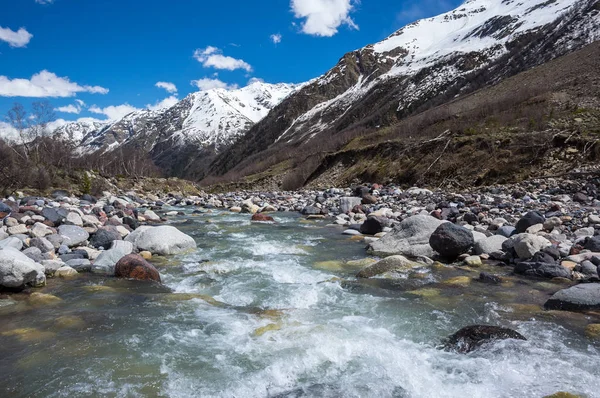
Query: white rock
{"points": [[18, 270], [526, 245], [18, 229], [161, 240]]}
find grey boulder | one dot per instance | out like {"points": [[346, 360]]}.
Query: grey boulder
{"points": [[18, 270], [73, 235], [106, 261], [585, 296], [162, 240]]}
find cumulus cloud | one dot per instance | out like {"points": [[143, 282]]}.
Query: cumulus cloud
{"points": [[323, 17], [276, 38], [212, 57], [170, 87], [76, 109], [8, 132], [20, 38], [208, 83], [164, 104], [44, 84], [114, 112]]}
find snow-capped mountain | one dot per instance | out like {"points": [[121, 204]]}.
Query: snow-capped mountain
{"points": [[200, 125], [424, 64]]}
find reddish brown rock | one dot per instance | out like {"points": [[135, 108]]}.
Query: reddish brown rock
{"points": [[134, 266], [261, 217]]}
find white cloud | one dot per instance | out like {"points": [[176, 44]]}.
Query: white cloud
{"points": [[114, 112], [69, 109], [170, 87], [276, 38], [44, 1], [255, 80], [80, 102], [164, 104], [213, 57], [44, 84], [20, 38], [207, 84], [8, 132], [323, 17]]}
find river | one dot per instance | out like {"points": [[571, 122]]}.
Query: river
{"points": [[268, 310]]}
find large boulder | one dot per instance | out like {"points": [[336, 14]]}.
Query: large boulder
{"points": [[262, 217], [13, 242], [528, 220], [391, 263], [134, 266], [451, 240], [526, 245], [104, 237], [373, 225], [18, 270], [162, 240], [73, 235], [347, 203], [489, 245], [409, 238], [473, 337], [585, 296], [106, 261]]}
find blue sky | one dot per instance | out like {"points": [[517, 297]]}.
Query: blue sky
{"points": [[96, 58]]}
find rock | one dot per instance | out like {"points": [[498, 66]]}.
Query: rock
{"points": [[529, 219], [473, 337], [542, 269], [585, 296], [409, 238], [106, 261], [347, 203], [34, 253], [162, 240], [104, 237], [43, 244], [369, 199], [40, 230], [18, 229], [473, 261], [489, 278], [151, 216], [584, 232], [249, 207], [552, 223], [261, 217], [146, 255], [592, 244], [18, 270], [309, 210], [588, 269], [134, 266], [12, 242], [594, 219], [65, 272], [506, 230], [56, 216], [56, 240], [373, 225], [489, 245], [4, 211], [592, 331], [580, 197], [80, 264], [51, 266], [73, 219], [73, 235], [451, 240], [391, 263], [235, 209], [526, 245], [351, 232]]}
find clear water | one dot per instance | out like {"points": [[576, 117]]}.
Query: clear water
{"points": [[258, 311]]}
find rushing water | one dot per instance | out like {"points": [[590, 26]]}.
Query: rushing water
{"points": [[263, 310]]}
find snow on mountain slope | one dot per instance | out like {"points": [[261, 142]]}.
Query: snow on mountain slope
{"points": [[212, 118], [219, 116], [455, 44]]}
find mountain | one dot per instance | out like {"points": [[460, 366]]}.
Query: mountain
{"points": [[423, 65], [193, 130]]}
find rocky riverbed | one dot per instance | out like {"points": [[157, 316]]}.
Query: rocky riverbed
{"points": [[522, 252]]}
